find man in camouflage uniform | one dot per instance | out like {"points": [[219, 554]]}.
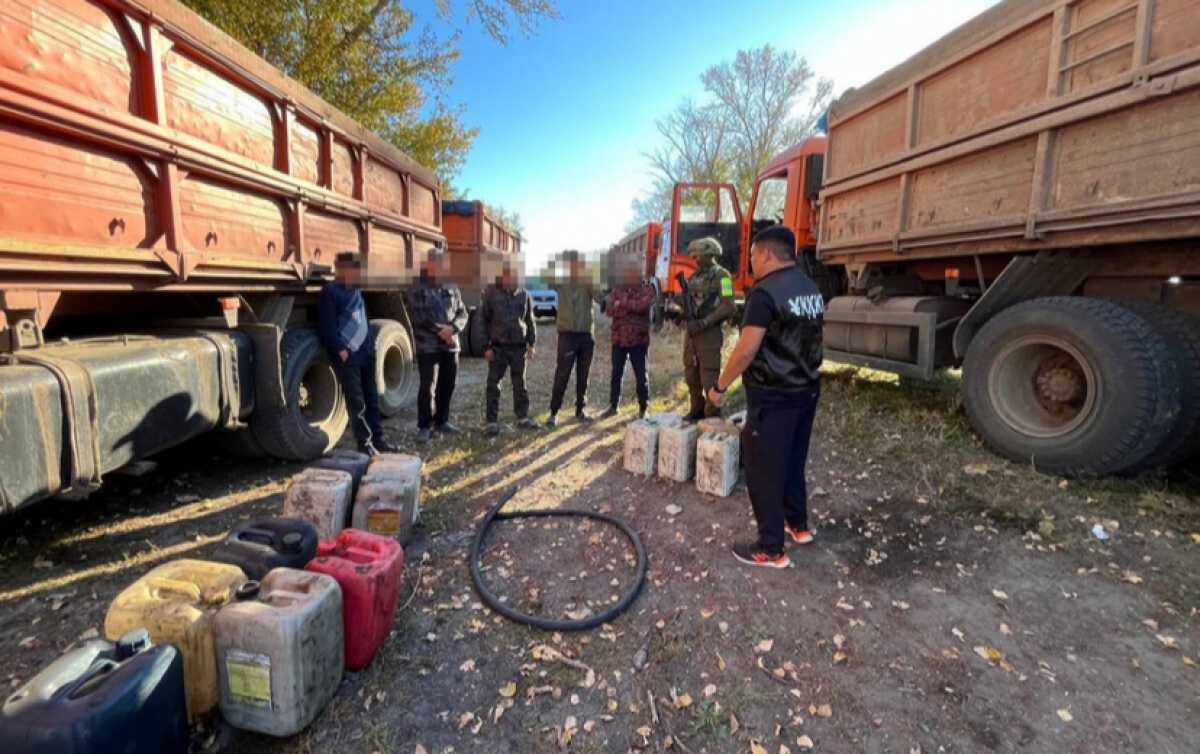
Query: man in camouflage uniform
{"points": [[711, 292]]}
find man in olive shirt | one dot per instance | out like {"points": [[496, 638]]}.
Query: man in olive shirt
{"points": [[778, 357], [576, 294]]}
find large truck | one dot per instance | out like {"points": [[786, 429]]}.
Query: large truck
{"points": [[170, 205], [479, 244], [1021, 199]]}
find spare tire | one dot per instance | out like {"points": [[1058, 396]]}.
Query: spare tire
{"points": [[1075, 386], [396, 376], [315, 416]]}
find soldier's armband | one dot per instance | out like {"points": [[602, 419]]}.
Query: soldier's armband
{"points": [[726, 287]]}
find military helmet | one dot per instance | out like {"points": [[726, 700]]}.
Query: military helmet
{"points": [[705, 247]]}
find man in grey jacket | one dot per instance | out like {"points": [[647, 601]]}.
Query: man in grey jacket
{"points": [[438, 316], [507, 313]]}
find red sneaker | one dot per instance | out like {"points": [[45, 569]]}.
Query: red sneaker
{"points": [[800, 536], [753, 555]]}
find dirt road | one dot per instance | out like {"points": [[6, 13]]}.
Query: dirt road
{"points": [[951, 602]]}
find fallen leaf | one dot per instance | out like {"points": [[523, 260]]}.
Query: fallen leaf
{"points": [[508, 690], [733, 724], [1151, 624], [674, 510], [764, 646], [1196, 538], [709, 690], [1004, 629], [976, 469], [420, 750], [467, 667], [784, 749], [1167, 641], [900, 605], [1131, 577], [823, 710], [643, 731], [839, 640], [89, 634], [999, 595], [465, 719], [804, 742], [1189, 661], [1065, 715], [995, 657], [683, 701], [839, 657], [757, 748], [958, 634]]}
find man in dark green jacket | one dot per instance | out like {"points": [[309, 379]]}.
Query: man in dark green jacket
{"points": [[576, 294], [507, 313]]}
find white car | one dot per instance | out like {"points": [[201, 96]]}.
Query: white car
{"points": [[545, 302]]}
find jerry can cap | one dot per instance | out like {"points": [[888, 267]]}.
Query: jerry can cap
{"points": [[133, 642], [292, 541], [248, 591]]}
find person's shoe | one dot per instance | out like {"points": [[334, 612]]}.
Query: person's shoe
{"points": [[492, 429], [610, 413], [583, 416], [642, 412], [753, 555], [799, 536], [527, 423], [424, 435], [552, 422], [383, 445], [447, 429]]}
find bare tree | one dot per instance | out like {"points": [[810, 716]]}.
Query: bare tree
{"points": [[761, 103], [497, 16]]}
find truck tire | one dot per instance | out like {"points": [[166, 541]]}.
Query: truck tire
{"points": [[315, 416], [1182, 333], [1075, 386], [241, 443], [474, 338], [395, 366]]}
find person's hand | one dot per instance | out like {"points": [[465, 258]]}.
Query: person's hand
{"points": [[489, 355], [532, 351], [344, 355], [715, 398], [446, 333]]}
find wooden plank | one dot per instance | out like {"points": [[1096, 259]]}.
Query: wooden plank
{"points": [[1062, 20], [1141, 39]]}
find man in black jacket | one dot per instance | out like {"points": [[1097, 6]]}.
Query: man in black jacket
{"points": [[778, 357], [438, 316], [508, 324], [346, 335]]}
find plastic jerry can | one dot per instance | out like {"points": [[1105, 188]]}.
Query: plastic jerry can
{"points": [[101, 698], [344, 459], [717, 463], [322, 498], [641, 447], [176, 603], [259, 546], [677, 452], [280, 651], [368, 567], [389, 499]]}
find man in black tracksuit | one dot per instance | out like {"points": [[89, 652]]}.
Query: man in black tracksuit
{"points": [[346, 335], [438, 316], [778, 357], [507, 313]]}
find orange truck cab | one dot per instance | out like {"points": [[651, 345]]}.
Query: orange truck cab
{"points": [[785, 193]]}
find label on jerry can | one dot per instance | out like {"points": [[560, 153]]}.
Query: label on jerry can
{"points": [[249, 678], [384, 522]]}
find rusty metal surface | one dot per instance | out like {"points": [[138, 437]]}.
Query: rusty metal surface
{"points": [[142, 149]]}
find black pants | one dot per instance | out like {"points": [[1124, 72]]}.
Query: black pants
{"points": [[774, 453], [362, 397], [505, 359], [433, 407], [574, 351], [637, 355]]}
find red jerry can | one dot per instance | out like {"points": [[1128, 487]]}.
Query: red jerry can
{"points": [[368, 567]]}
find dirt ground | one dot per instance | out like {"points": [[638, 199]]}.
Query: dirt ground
{"points": [[951, 602]]}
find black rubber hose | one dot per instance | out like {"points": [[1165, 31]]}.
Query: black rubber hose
{"points": [[549, 624]]}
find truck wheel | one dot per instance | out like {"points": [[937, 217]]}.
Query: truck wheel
{"points": [[315, 416], [241, 443], [1076, 386], [1182, 333], [395, 367], [473, 337]]}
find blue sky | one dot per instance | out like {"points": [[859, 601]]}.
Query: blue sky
{"points": [[566, 114]]}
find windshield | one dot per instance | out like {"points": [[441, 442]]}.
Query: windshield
{"points": [[772, 198]]}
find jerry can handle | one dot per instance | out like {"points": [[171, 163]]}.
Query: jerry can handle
{"points": [[175, 586], [257, 536], [75, 689]]}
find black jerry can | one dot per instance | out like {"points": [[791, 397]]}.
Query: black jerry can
{"points": [[343, 459], [101, 698], [259, 546]]}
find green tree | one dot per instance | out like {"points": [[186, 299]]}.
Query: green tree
{"points": [[365, 58]]}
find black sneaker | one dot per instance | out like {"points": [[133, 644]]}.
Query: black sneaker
{"points": [[424, 435], [368, 449], [753, 555], [552, 422], [642, 412], [694, 416], [583, 417], [447, 429], [610, 413], [383, 445]]}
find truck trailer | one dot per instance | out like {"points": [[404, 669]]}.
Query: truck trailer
{"points": [[170, 205], [1021, 199], [479, 244]]}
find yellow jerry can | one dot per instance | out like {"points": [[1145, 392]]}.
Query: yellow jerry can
{"points": [[176, 602]]}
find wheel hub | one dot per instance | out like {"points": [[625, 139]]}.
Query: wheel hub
{"points": [[1060, 385]]}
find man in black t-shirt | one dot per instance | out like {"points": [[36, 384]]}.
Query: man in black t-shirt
{"points": [[778, 357]]}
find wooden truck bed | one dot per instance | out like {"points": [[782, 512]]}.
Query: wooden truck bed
{"points": [[1039, 124], [143, 149]]}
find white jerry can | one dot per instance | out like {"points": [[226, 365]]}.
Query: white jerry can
{"points": [[717, 455], [321, 497], [677, 452], [389, 499], [641, 447], [280, 651]]}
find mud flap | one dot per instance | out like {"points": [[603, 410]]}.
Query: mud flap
{"points": [[268, 366]]}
